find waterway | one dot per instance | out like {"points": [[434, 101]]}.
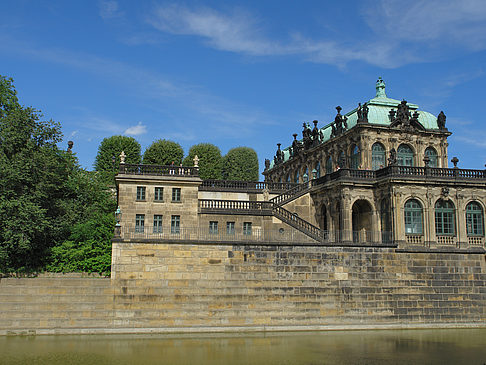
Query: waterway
{"points": [[451, 346]]}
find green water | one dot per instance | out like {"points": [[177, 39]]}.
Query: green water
{"points": [[452, 346]]}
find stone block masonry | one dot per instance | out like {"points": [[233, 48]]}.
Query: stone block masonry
{"points": [[205, 287]]}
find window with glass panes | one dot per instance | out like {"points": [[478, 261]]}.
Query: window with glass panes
{"points": [[432, 155], [230, 228], [318, 170], [139, 223], [140, 192], [413, 217], [444, 218], [329, 165], [175, 224], [377, 156], [213, 227], [474, 219], [247, 228], [159, 194], [176, 194], [157, 223], [404, 155], [354, 158]]}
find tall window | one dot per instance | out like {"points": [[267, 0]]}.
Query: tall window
{"points": [[213, 227], [176, 194], [431, 153], [342, 160], [288, 178], [405, 155], [305, 177], [413, 217], [157, 223], [159, 194], [354, 158], [247, 228], [318, 170], [140, 192], [377, 156], [139, 222], [444, 217], [474, 219], [329, 165], [296, 177], [230, 228], [175, 224]]}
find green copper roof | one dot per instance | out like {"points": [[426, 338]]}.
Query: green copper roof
{"points": [[378, 113]]}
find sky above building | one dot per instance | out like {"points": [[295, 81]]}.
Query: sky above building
{"points": [[242, 73]]}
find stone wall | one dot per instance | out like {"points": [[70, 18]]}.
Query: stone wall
{"points": [[201, 287], [55, 303], [186, 285]]}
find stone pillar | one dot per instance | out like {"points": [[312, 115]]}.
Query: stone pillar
{"points": [[429, 221], [460, 221], [375, 226], [398, 222], [346, 216]]}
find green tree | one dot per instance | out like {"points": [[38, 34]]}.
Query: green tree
{"points": [[241, 163], [163, 152], [210, 160], [32, 172], [113, 146], [45, 197]]}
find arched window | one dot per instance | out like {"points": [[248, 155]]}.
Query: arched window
{"points": [[318, 170], [329, 165], [354, 158], [474, 219], [413, 217], [342, 160], [405, 155], [288, 178], [444, 218], [296, 177], [431, 153], [305, 177], [377, 156]]}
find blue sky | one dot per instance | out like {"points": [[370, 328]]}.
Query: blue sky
{"points": [[242, 73]]}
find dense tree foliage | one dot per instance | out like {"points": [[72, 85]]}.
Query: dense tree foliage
{"points": [[43, 191], [241, 163], [112, 147], [163, 152], [210, 160]]}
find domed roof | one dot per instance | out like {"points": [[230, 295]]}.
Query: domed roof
{"points": [[379, 109]]}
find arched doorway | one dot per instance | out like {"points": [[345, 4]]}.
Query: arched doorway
{"points": [[324, 221], [362, 216]]}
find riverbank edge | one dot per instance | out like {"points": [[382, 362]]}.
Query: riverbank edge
{"points": [[242, 329]]}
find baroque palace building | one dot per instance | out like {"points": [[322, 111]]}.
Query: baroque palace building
{"points": [[377, 174]]}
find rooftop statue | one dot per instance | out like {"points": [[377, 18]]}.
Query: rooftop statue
{"points": [[380, 88], [267, 164], [340, 123], [296, 146], [316, 136], [441, 120], [362, 113], [306, 135]]}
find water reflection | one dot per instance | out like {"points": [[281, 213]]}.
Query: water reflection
{"points": [[452, 346]]}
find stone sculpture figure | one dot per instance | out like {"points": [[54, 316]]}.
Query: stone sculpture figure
{"points": [[441, 120], [267, 164], [315, 134], [403, 114], [364, 113], [392, 160]]}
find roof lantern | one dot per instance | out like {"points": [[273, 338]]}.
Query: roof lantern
{"points": [[380, 88]]}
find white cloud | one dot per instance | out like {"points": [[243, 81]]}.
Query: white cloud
{"points": [[136, 130], [415, 31], [109, 9]]}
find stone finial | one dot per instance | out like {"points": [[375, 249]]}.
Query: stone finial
{"points": [[380, 88], [455, 160], [122, 157], [196, 161]]}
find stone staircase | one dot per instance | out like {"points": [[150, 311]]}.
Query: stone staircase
{"points": [[291, 194]]}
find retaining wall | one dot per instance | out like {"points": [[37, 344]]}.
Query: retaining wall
{"points": [[199, 287]]}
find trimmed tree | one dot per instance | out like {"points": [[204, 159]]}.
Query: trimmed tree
{"points": [[241, 163], [210, 160], [113, 146], [163, 152]]}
